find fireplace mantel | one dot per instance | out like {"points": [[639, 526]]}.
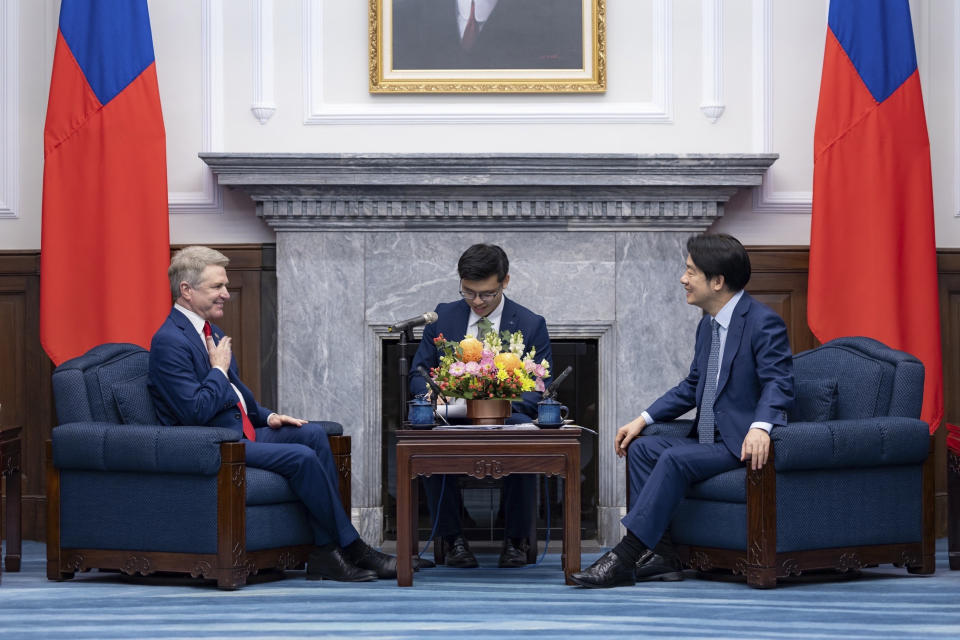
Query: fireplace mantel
{"points": [[596, 246], [591, 192]]}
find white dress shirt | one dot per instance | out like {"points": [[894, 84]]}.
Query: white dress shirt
{"points": [[723, 318], [481, 12]]}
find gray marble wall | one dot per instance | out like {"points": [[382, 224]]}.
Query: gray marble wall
{"points": [[338, 290], [596, 244]]}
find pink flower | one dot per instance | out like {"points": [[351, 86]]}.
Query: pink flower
{"points": [[529, 365], [457, 369], [486, 353], [471, 368], [487, 366], [539, 371], [539, 386]]}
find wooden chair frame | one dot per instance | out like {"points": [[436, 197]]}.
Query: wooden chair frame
{"points": [[763, 566], [230, 566]]}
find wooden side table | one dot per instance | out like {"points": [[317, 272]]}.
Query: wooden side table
{"points": [[10, 470], [483, 453]]}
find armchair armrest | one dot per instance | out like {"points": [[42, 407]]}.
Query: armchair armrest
{"points": [[676, 428], [105, 446], [868, 442]]}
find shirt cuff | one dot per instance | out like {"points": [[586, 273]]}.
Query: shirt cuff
{"points": [[647, 419], [268, 418], [766, 426], [224, 372]]}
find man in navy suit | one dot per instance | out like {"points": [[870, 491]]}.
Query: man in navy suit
{"points": [[484, 274], [740, 382], [194, 380]]}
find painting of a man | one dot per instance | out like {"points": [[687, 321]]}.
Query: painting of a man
{"points": [[487, 34]]}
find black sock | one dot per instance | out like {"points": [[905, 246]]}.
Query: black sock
{"points": [[355, 548], [323, 548], [629, 548]]}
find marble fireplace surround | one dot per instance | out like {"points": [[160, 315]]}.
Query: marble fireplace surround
{"points": [[596, 244]]}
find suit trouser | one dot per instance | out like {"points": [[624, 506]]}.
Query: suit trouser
{"points": [[302, 455], [518, 497], [661, 469]]}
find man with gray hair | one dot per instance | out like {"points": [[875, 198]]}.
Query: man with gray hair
{"points": [[194, 380]]}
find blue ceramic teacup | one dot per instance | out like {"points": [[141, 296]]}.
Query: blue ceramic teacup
{"points": [[550, 413], [420, 412]]}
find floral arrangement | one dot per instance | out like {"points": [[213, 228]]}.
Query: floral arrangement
{"points": [[494, 368]]}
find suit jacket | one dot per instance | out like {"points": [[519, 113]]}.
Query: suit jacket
{"points": [[756, 375], [186, 389], [452, 323], [519, 34]]}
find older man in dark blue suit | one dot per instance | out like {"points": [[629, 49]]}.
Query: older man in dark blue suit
{"points": [[740, 382], [484, 274], [194, 380]]}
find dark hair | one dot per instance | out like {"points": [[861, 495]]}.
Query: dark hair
{"points": [[717, 254], [482, 261]]}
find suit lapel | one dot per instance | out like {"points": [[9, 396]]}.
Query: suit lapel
{"points": [[455, 324], [508, 319], [732, 344], [193, 338]]}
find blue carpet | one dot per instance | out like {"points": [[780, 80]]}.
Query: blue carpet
{"points": [[477, 604]]}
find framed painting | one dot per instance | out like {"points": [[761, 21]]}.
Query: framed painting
{"points": [[487, 46]]}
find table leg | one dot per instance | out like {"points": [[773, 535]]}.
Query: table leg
{"points": [[571, 516], [405, 539]]}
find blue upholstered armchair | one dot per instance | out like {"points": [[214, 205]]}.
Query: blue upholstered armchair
{"points": [[127, 493], [851, 482]]}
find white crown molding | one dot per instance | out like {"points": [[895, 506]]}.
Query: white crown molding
{"points": [[319, 112], [263, 105], [765, 199], [9, 109], [211, 60], [712, 57]]}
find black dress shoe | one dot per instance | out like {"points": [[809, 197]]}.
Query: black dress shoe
{"points": [[333, 565], [514, 553], [654, 566], [366, 557], [608, 571], [422, 563], [460, 556]]}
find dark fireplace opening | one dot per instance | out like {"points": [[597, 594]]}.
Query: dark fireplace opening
{"points": [[483, 517]]}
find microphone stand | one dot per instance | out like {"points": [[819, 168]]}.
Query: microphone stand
{"points": [[404, 373]]}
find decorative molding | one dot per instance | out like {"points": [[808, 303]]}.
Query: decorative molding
{"points": [[9, 109], [319, 112], [765, 199], [263, 62], [600, 192], [712, 56], [211, 61]]}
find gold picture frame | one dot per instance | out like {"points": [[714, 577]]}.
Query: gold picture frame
{"points": [[521, 46]]}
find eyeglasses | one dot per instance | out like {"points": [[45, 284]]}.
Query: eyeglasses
{"points": [[486, 296]]}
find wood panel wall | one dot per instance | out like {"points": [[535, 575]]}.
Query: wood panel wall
{"points": [[26, 395], [779, 280]]}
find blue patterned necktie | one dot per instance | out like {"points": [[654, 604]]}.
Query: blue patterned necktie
{"points": [[707, 423]]}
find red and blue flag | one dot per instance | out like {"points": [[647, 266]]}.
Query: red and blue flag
{"points": [[105, 243], [873, 264]]}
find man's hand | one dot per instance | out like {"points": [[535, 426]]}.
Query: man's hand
{"points": [[277, 420], [220, 354], [756, 447], [626, 433]]}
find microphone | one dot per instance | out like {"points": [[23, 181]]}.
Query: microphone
{"points": [[552, 389], [437, 392], [427, 318]]}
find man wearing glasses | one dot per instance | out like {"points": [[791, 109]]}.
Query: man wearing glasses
{"points": [[484, 274]]}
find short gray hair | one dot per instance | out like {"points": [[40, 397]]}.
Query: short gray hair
{"points": [[188, 264]]}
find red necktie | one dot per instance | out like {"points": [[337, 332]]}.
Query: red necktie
{"points": [[248, 431], [470, 31]]}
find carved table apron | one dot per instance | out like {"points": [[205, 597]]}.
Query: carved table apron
{"points": [[483, 453]]}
